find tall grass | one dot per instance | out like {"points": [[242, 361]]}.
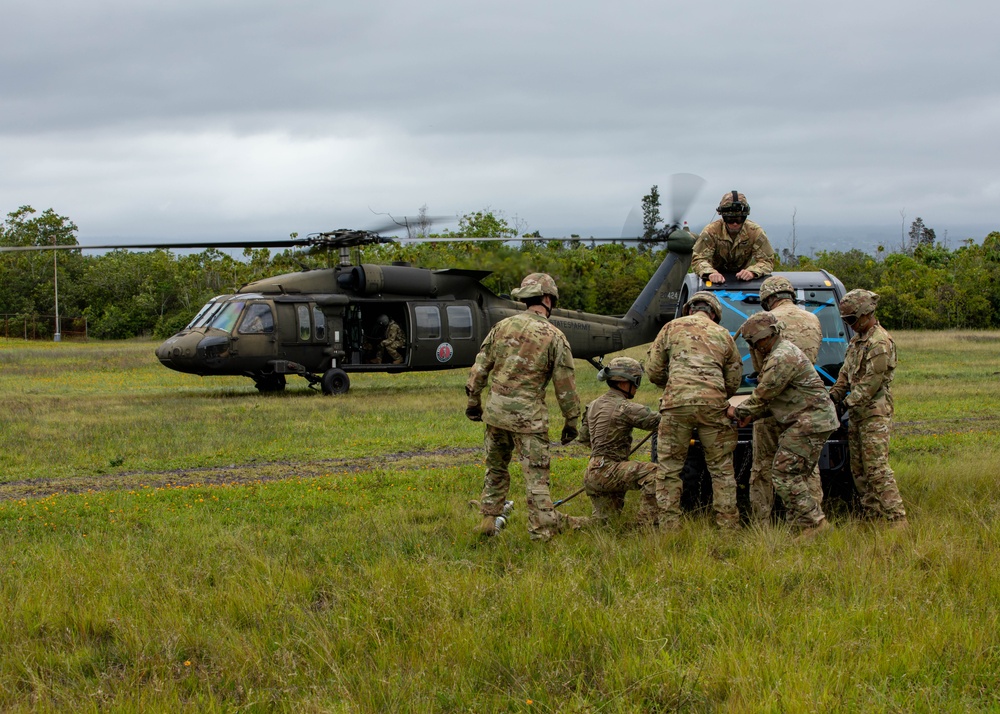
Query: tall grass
{"points": [[321, 586]]}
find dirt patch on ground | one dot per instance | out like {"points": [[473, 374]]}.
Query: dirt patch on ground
{"points": [[233, 474]]}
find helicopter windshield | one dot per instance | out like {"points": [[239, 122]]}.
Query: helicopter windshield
{"points": [[226, 318], [738, 305], [205, 314]]}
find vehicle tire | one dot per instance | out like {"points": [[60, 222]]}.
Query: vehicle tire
{"points": [[270, 383], [336, 381]]}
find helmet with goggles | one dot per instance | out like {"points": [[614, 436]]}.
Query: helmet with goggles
{"points": [[733, 207], [623, 369], [702, 300]]}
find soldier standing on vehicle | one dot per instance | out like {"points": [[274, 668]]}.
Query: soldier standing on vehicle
{"points": [[607, 429], [732, 244], [864, 386], [392, 341], [696, 362], [790, 390], [802, 329], [523, 353]]}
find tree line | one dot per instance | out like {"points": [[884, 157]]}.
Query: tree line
{"points": [[124, 294]]}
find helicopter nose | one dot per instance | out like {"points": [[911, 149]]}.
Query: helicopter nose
{"points": [[184, 352]]}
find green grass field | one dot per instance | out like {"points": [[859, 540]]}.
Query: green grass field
{"points": [[172, 543]]}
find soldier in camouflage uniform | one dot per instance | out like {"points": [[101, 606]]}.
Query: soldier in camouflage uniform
{"points": [[696, 362], [790, 390], [607, 429], [802, 329], [732, 244], [392, 342], [523, 353], [864, 386]]}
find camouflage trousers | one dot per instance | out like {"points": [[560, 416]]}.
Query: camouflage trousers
{"points": [[390, 348], [607, 482], [718, 439], [765, 444], [794, 461], [544, 520], [868, 440]]}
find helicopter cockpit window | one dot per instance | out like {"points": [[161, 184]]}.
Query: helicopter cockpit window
{"points": [[459, 322], [305, 326], [258, 320], [206, 314], [319, 320], [226, 318], [428, 322]]}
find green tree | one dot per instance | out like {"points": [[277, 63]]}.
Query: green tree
{"points": [[650, 212]]}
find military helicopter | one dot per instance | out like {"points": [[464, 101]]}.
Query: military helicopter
{"points": [[326, 324]]}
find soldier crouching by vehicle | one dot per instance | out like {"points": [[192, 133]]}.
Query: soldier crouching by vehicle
{"points": [[790, 390], [864, 386], [607, 429]]}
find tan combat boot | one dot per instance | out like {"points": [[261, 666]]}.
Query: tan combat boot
{"points": [[487, 527]]}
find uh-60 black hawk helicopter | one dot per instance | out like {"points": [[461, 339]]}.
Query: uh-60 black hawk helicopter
{"points": [[326, 324]]}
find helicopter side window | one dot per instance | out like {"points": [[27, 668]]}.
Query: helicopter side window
{"points": [[305, 326], [319, 321], [459, 322], [258, 320], [428, 322]]}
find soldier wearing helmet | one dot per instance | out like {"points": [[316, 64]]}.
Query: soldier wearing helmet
{"points": [[732, 244], [696, 362], [606, 428], [802, 329], [864, 386], [792, 393], [519, 357], [392, 341]]}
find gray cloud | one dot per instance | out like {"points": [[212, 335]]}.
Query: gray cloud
{"points": [[257, 118]]}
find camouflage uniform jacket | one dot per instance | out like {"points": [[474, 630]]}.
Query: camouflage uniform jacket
{"points": [[607, 425], [523, 352], [867, 373], [789, 389], [716, 251], [800, 327], [393, 335], [695, 361]]}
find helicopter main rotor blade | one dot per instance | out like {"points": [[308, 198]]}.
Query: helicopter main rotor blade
{"points": [[684, 188], [632, 228], [278, 243]]}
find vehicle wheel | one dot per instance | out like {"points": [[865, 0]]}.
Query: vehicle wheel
{"points": [[271, 383], [336, 381]]}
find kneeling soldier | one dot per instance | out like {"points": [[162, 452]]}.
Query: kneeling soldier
{"points": [[607, 429], [789, 389]]}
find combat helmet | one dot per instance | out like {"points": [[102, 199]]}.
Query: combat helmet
{"points": [[733, 204], [536, 285], [759, 326], [857, 303], [775, 285], [625, 369], [383, 320], [703, 296]]}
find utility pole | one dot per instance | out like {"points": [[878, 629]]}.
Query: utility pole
{"points": [[57, 337]]}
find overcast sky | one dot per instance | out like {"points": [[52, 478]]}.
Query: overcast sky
{"points": [[223, 119]]}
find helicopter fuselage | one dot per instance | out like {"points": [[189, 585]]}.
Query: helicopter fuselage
{"points": [[323, 324]]}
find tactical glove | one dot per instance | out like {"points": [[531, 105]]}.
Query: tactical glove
{"points": [[569, 433], [474, 412]]}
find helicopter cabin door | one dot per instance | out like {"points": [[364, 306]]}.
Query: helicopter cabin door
{"points": [[444, 334], [254, 338]]}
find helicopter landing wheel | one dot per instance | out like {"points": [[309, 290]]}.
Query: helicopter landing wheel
{"points": [[335, 381], [271, 383]]}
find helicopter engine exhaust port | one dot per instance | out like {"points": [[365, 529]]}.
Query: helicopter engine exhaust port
{"points": [[336, 381]]}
